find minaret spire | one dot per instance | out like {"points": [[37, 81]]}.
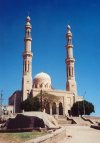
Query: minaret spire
{"points": [[27, 60], [71, 83]]}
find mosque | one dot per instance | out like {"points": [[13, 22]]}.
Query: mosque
{"points": [[42, 81]]}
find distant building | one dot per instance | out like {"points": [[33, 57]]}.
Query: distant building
{"points": [[42, 81]]}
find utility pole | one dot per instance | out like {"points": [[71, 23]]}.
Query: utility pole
{"points": [[78, 109], [83, 102], [41, 99], [1, 94]]}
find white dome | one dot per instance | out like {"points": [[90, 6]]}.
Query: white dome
{"points": [[43, 75], [42, 80]]}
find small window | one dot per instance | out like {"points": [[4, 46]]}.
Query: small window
{"points": [[25, 66]]}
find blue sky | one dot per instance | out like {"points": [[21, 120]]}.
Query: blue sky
{"points": [[49, 19]]}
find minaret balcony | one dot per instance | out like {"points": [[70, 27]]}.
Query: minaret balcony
{"points": [[27, 38], [25, 54], [68, 60], [69, 45], [28, 26]]}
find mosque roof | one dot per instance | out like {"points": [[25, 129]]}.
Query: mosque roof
{"points": [[42, 80], [43, 76]]}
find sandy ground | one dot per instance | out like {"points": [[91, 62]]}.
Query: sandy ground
{"points": [[76, 134], [2, 141], [81, 134]]}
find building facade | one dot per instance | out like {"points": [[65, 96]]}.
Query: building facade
{"points": [[42, 81]]}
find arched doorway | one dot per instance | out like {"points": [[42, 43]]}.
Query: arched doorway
{"points": [[47, 108], [60, 109], [53, 108]]}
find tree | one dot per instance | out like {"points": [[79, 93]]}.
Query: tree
{"points": [[39, 102], [82, 108], [31, 104], [46, 98]]}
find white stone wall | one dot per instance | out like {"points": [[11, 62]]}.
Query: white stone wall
{"points": [[65, 97]]}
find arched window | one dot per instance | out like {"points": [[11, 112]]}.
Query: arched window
{"points": [[54, 108], [60, 109], [28, 66], [28, 33], [69, 71], [41, 85], [25, 66], [47, 108]]}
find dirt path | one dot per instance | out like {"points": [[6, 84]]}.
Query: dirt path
{"points": [[81, 134], [5, 141]]}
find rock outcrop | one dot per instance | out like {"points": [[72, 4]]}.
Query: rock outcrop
{"points": [[31, 120]]}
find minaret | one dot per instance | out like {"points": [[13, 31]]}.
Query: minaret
{"points": [[71, 83], [27, 61]]}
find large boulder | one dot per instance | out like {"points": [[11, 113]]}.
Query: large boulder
{"points": [[24, 122], [49, 120], [30, 120]]}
